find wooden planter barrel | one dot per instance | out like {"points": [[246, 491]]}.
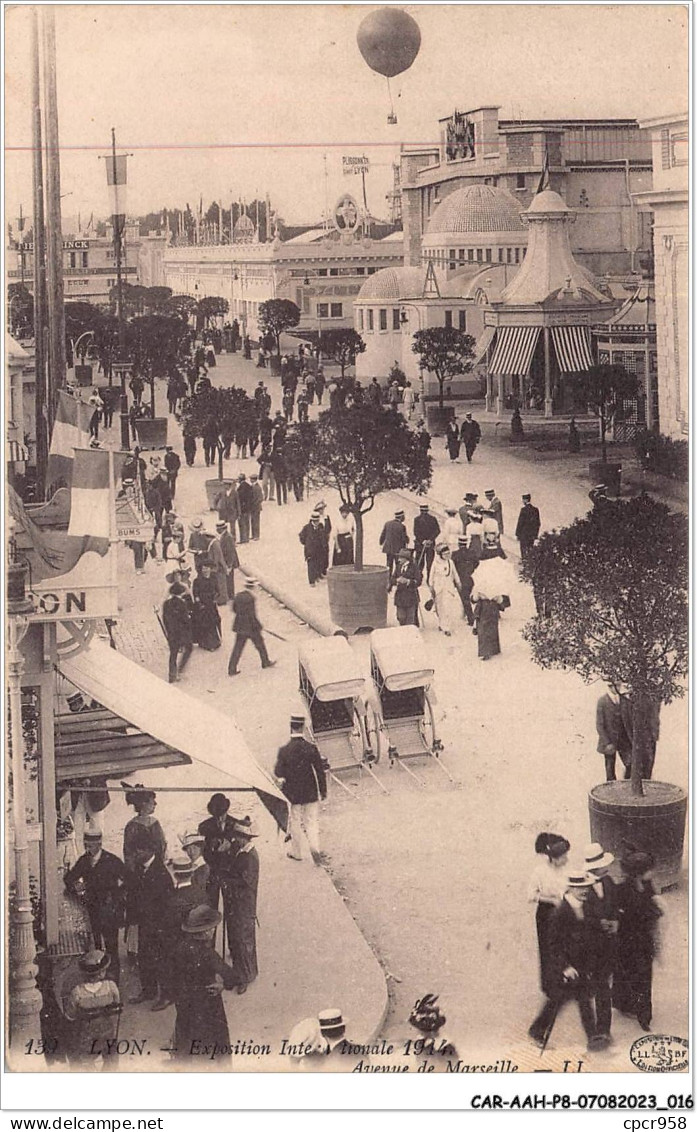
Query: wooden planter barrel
{"points": [[151, 433], [437, 418], [358, 598], [654, 824]]}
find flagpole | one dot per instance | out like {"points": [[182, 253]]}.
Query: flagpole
{"points": [[41, 417], [54, 241]]}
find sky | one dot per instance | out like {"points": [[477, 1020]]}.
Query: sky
{"points": [[234, 100]]}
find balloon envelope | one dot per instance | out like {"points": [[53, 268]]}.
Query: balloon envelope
{"points": [[389, 41]]}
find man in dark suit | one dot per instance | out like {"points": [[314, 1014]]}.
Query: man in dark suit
{"points": [[613, 739], [247, 627], [153, 911], [300, 771], [527, 527], [244, 503], [495, 504], [393, 538], [572, 939], [602, 911], [465, 560], [426, 531], [314, 539], [102, 878], [218, 832], [176, 619], [470, 435]]}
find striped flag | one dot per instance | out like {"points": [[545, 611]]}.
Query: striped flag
{"points": [[55, 551], [116, 182], [70, 429], [90, 503]]}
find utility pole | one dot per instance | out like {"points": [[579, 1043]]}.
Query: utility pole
{"points": [[40, 314], [54, 235]]}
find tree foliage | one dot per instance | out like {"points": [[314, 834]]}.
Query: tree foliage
{"points": [[80, 318], [341, 345], [614, 589], [20, 310], [445, 352], [216, 412], [276, 316], [362, 451], [181, 306], [603, 388], [210, 307], [157, 344]]}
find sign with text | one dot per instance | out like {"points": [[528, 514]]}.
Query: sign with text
{"points": [[351, 165]]}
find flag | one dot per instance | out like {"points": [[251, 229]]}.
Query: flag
{"points": [[55, 552], [116, 181], [543, 182], [90, 503], [70, 430]]}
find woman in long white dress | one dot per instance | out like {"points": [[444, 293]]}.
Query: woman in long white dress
{"points": [[445, 588], [452, 528]]}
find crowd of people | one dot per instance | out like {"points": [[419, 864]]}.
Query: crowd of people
{"points": [[597, 937]]}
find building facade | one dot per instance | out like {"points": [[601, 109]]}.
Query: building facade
{"points": [[320, 272], [596, 165], [669, 204], [89, 265]]}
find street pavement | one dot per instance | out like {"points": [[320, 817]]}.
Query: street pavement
{"points": [[434, 875]]}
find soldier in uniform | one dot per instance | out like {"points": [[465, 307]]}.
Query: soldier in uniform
{"points": [[102, 877]]}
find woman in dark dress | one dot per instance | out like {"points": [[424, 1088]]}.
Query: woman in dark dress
{"points": [[486, 620], [198, 977], [452, 440], [639, 913], [206, 619], [240, 885]]}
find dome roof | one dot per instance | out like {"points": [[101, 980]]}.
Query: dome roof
{"points": [[477, 208], [392, 284], [244, 224], [548, 202]]}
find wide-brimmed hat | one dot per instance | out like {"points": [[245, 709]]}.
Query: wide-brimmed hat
{"points": [[579, 878], [404, 553], [201, 919], [462, 538], [250, 582], [451, 510], [423, 507], [321, 506], [94, 962], [92, 835], [596, 857], [196, 524], [399, 514], [243, 827], [490, 491], [221, 526], [187, 839], [331, 1020], [181, 866]]}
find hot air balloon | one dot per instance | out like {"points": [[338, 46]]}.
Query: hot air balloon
{"points": [[389, 41]]}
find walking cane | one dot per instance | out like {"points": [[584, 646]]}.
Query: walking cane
{"points": [[550, 1027]]}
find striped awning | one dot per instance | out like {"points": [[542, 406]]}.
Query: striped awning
{"points": [[573, 349], [515, 346]]}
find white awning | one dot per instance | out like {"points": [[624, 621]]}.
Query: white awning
{"points": [[332, 668], [515, 346], [401, 657], [572, 347], [169, 715]]}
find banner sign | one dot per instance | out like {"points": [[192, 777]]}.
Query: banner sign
{"points": [[355, 165]]}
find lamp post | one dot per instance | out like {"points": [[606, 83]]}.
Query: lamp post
{"points": [[24, 995], [404, 323], [122, 370]]}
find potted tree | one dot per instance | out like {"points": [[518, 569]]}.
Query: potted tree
{"points": [[613, 594], [341, 346], [360, 452], [275, 317], [219, 411], [210, 307], [603, 388], [159, 343], [445, 352]]}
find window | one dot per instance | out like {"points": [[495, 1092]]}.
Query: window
{"points": [[333, 270], [461, 255], [509, 255], [488, 255], [337, 310], [479, 255], [360, 271], [84, 259], [72, 259], [396, 324], [449, 319], [383, 320], [371, 314], [360, 318], [462, 320], [470, 255], [520, 180], [517, 255], [372, 270], [322, 271], [323, 310]]}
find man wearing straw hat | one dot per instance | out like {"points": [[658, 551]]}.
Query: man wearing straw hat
{"points": [[300, 771], [198, 978], [247, 627], [573, 963]]}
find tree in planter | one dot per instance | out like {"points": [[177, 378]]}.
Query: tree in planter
{"points": [[210, 307], [613, 588], [158, 343], [225, 407], [363, 451], [341, 346], [181, 306], [445, 352], [80, 319], [276, 316], [156, 299], [603, 388]]}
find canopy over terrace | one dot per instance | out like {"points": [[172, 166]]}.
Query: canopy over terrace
{"points": [[543, 319], [173, 719]]}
